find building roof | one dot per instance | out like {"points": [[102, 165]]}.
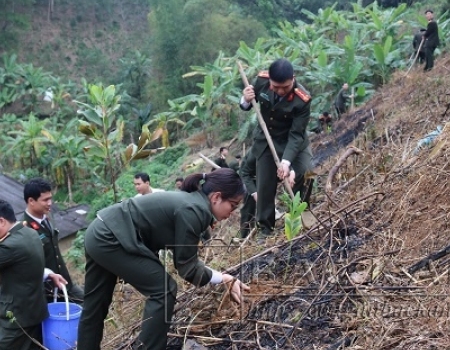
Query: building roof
{"points": [[67, 221], [70, 220], [12, 192]]}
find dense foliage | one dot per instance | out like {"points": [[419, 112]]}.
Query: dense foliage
{"points": [[362, 46]]}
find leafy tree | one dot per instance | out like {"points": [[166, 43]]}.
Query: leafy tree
{"points": [[136, 73], [104, 130], [187, 33]]}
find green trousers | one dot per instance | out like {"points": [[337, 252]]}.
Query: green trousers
{"points": [[16, 339], [267, 181], [248, 212], [105, 261]]}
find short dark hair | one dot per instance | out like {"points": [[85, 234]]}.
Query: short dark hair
{"points": [[7, 211], [326, 114], [143, 176], [222, 148], [281, 70], [429, 11], [179, 179], [238, 156], [35, 187]]}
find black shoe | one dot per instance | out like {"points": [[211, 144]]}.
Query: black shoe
{"points": [[262, 235]]}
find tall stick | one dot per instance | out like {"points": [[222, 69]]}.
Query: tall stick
{"points": [[262, 123], [417, 54], [352, 106], [209, 161]]}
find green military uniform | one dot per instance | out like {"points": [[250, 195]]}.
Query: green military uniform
{"points": [[21, 289], [340, 103], [286, 122], [234, 164], [54, 259], [222, 162], [248, 211], [431, 42], [124, 241]]}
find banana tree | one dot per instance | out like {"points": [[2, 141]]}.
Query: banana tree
{"points": [[211, 105], [36, 81], [162, 121], [386, 59], [386, 22], [28, 142], [69, 159], [136, 71]]}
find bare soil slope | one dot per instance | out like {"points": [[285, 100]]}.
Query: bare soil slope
{"points": [[352, 281]]}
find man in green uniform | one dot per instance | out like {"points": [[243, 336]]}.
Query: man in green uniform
{"points": [[285, 108], [222, 159], [431, 37], [342, 98], [235, 164], [22, 296], [417, 41], [38, 197]]}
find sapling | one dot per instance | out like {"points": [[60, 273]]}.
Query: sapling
{"points": [[293, 222]]}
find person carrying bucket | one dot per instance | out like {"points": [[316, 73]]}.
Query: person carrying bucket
{"points": [[23, 306], [124, 240]]}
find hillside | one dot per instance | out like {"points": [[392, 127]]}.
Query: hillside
{"points": [[352, 281], [81, 39]]}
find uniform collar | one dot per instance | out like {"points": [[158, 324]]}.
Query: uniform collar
{"points": [[39, 221], [16, 227], [213, 218]]}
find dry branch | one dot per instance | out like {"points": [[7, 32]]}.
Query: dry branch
{"points": [[351, 150], [432, 257]]}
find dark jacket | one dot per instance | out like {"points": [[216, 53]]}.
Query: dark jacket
{"points": [[248, 172], [220, 162], [341, 99], [418, 39], [173, 220], [234, 164], [50, 242], [21, 273], [431, 35], [286, 120]]}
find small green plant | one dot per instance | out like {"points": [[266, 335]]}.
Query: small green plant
{"points": [[293, 218], [293, 223], [76, 252]]}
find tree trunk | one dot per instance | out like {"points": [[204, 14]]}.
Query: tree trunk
{"points": [[69, 189]]}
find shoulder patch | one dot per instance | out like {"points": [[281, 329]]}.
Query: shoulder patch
{"points": [[302, 94], [264, 74]]}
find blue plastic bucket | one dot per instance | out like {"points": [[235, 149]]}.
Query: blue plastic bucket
{"points": [[59, 332]]}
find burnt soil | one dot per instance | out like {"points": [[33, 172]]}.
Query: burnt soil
{"points": [[349, 281]]}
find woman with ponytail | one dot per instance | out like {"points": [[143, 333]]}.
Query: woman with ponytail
{"points": [[124, 240]]}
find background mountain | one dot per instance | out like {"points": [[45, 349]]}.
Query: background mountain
{"points": [[75, 39]]}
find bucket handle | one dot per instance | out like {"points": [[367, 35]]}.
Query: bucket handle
{"points": [[66, 297]]}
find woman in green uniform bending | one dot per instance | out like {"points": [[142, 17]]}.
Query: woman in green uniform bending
{"points": [[124, 240]]}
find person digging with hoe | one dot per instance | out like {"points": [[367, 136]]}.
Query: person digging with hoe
{"points": [[285, 109]]}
